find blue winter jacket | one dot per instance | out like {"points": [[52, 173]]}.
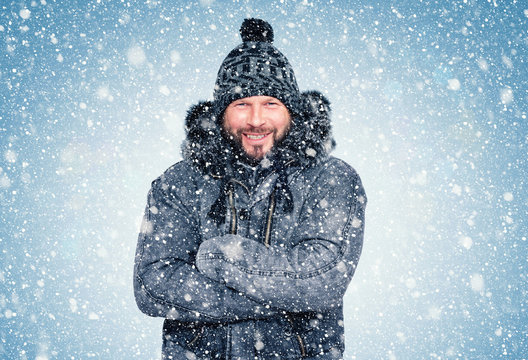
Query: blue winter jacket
{"points": [[267, 280]]}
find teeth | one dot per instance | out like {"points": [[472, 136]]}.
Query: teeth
{"points": [[255, 137]]}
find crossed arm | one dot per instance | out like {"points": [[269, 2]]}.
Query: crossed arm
{"points": [[230, 277], [166, 280], [314, 273]]}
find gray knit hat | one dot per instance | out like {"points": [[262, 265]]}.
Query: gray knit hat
{"points": [[256, 67]]}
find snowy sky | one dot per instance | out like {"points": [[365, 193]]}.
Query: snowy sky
{"points": [[429, 105]]}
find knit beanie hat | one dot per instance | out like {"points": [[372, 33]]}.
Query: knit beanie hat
{"points": [[256, 67]]}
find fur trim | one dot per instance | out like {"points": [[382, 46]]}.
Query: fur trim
{"points": [[204, 146], [308, 142], [310, 138]]}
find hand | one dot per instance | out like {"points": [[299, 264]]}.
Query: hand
{"points": [[215, 253]]}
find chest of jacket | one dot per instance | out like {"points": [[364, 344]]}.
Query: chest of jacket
{"points": [[252, 212]]}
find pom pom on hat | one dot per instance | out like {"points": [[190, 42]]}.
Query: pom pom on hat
{"points": [[256, 30], [255, 68]]}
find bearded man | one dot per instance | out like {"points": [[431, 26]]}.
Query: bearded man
{"points": [[249, 243]]}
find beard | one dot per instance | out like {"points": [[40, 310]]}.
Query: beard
{"points": [[253, 154]]}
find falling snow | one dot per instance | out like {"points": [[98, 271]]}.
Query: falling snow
{"points": [[429, 104]]}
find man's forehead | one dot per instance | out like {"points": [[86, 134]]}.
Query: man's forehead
{"points": [[257, 98]]}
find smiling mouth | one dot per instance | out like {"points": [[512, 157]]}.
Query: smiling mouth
{"points": [[256, 136]]}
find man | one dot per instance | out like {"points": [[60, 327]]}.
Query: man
{"points": [[249, 243]]}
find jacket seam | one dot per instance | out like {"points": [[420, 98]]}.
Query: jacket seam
{"points": [[176, 306], [276, 273]]}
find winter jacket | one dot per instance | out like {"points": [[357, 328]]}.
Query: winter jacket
{"points": [[267, 280]]}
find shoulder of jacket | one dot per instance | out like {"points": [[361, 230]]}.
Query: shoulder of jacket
{"points": [[336, 171], [336, 166], [180, 174]]}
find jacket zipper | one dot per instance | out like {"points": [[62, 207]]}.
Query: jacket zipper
{"points": [[269, 220], [297, 336]]}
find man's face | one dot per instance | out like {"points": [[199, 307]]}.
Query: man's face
{"points": [[256, 124]]}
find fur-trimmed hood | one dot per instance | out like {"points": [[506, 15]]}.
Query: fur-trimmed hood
{"points": [[307, 143]]}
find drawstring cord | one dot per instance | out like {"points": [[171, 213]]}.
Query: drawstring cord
{"points": [[233, 212], [299, 338], [280, 193], [215, 209], [271, 209]]}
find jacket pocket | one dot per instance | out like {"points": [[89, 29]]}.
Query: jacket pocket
{"points": [[202, 341], [275, 339], [320, 334]]}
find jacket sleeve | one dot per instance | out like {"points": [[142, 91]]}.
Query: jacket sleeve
{"points": [[166, 281], [314, 273]]}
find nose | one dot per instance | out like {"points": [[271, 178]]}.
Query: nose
{"points": [[255, 117]]}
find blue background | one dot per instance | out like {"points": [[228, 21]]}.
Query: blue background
{"points": [[429, 105]]}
